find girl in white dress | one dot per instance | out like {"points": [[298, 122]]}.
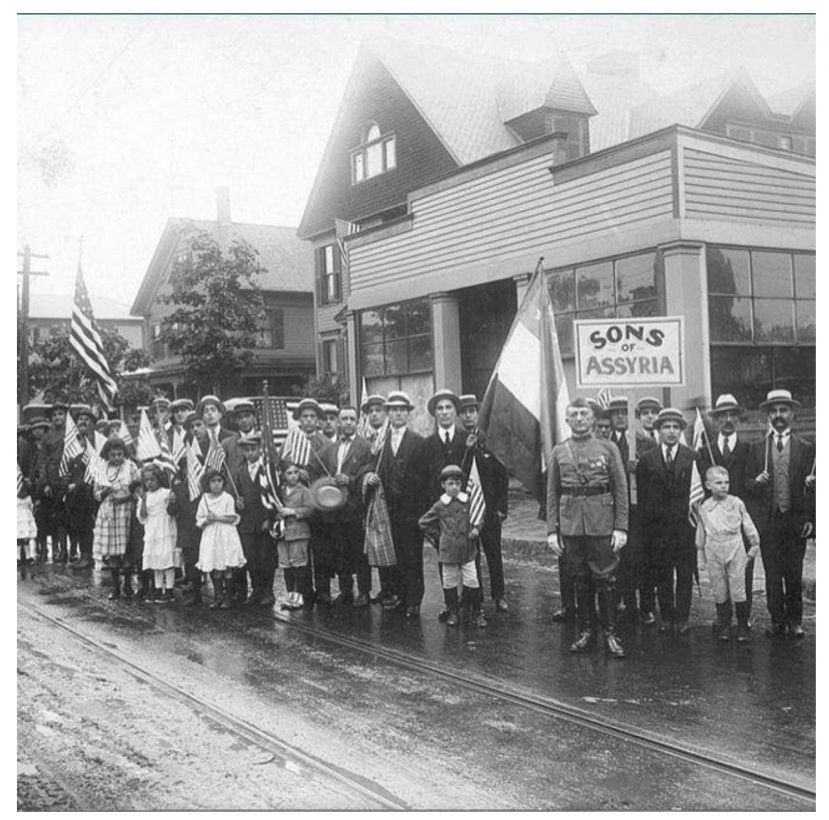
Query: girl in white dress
{"points": [[155, 512], [26, 527], [220, 551]]}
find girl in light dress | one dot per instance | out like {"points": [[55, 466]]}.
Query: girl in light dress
{"points": [[26, 527], [155, 512], [220, 550], [114, 485]]}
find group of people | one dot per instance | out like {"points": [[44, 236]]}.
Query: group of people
{"points": [[144, 520], [629, 533], [351, 489]]}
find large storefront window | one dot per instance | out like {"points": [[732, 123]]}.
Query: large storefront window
{"points": [[622, 288], [396, 339], [761, 311]]}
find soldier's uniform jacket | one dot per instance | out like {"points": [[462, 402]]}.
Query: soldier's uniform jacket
{"points": [[586, 488]]}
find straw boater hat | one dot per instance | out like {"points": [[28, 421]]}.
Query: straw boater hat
{"points": [[57, 405], [618, 403], [469, 400], [328, 408], [181, 404], [397, 398], [210, 399], [648, 401], [32, 411], [779, 397], [307, 404], [439, 396], [725, 402], [162, 400], [39, 421], [374, 398], [243, 406], [79, 410], [670, 414], [189, 419]]}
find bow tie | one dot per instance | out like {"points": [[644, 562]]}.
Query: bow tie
{"points": [[346, 439]]}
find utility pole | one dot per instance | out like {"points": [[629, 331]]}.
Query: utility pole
{"points": [[23, 330]]}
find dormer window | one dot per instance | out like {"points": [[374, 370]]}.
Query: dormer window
{"points": [[376, 155]]}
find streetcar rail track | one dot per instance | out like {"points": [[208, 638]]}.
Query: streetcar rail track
{"points": [[382, 798], [482, 684]]}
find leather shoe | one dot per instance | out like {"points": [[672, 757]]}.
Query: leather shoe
{"points": [[253, 598], [666, 627], [582, 643], [614, 646], [344, 599], [501, 605], [648, 618], [480, 621], [267, 600], [775, 631], [324, 598], [562, 614], [452, 619], [412, 613], [392, 602], [361, 600], [796, 631], [682, 628], [379, 598]]}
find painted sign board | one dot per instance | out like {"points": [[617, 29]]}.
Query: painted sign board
{"points": [[637, 352]]}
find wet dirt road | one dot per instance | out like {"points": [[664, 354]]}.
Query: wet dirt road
{"points": [[96, 734]]}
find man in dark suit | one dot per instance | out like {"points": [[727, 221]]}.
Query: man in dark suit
{"points": [[730, 452], [244, 415], [633, 573], [340, 547], [255, 524], [49, 486], [402, 474], [495, 486], [776, 478], [663, 478]]}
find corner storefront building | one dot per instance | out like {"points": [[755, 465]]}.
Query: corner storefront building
{"points": [[714, 222]]}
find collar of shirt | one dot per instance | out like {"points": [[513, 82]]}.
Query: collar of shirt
{"points": [[673, 449], [253, 467], [447, 499], [785, 436], [445, 430], [732, 441]]}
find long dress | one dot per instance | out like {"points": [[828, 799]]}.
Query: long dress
{"points": [[160, 532], [112, 524], [220, 547]]}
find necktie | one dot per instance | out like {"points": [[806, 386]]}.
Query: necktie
{"points": [[669, 458], [726, 450], [446, 438], [780, 444]]}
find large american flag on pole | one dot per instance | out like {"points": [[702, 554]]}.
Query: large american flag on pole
{"points": [[86, 340], [697, 492], [344, 229], [72, 446]]}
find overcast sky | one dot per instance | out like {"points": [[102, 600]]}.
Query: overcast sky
{"points": [[139, 118]]}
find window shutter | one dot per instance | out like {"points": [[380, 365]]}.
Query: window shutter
{"points": [[278, 328], [338, 273], [342, 367], [319, 265]]}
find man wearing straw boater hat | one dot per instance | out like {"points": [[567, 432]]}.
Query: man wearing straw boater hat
{"points": [[400, 470], [777, 474], [727, 450], [374, 411], [663, 478]]}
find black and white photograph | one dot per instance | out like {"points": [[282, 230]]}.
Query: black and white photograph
{"points": [[416, 411]]}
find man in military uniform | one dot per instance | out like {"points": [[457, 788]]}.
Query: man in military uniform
{"points": [[587, 519]]}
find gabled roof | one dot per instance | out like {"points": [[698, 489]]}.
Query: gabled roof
{"points": [[288, 265], [60, 305], [794, 102]]}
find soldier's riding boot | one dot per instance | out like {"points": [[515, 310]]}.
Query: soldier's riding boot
{"points": [[450, 596], [116, 584], [607, 597], [724, 621], [743, 630], [584, 605]]}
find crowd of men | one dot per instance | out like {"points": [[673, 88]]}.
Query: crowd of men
{"points": [[617, 506]]}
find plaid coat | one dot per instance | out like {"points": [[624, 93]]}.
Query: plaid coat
{"points": [[112, 524]]}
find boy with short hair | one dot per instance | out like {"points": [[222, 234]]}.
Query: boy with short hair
{"points": [[722, 520], [446, 525]]}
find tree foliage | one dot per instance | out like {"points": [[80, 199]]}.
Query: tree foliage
{"points": [[57, 373], [328, 387], [218, 307]]}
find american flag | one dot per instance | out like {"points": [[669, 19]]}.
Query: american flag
{"points": [[86, 340], [297, 448], [603, 397], [148, 447], [178, 447], [166, 460], [280, 411], [20, 482], [194, 469], [477, 505], [94, 464], [100, 441], [344, 229], [72, 446], [215, 458], [697, 492], [124, 433], [363, 427]]}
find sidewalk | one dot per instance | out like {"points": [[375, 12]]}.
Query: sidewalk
{"points": [[524, 535]]}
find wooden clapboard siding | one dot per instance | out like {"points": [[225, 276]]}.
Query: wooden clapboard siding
{"points": [[501, 214], [736, 189], [298, 318]]}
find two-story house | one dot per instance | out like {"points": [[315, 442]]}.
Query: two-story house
{"points": [[285, 355], [457, 174]]}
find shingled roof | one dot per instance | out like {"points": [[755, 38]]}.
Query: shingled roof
{"points": [[288, 265]]}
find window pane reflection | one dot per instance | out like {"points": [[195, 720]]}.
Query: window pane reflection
{"points": [[635, 278], [771, 273], [372, 360], [805, 321], [728, 271], [594, 285], [650, 308], [773, 320], [371, 328], [562, 290], [729, 319], [804, 276]]}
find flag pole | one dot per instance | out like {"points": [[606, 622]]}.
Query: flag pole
{"points": [[707, 439]]}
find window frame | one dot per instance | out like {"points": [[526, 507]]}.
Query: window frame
{"points": [[387, 343], [359, 156], [328, 282]]}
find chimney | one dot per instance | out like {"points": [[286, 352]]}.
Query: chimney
{"points": [[223, 204]]}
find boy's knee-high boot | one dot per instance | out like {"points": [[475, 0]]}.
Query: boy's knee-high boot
{"points": [[218, 589], [450, 596], [743, 613], [476, 597], [116, 584]]}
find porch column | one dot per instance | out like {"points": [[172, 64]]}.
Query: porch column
{"points": [[446, 339], [686, 294]]}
